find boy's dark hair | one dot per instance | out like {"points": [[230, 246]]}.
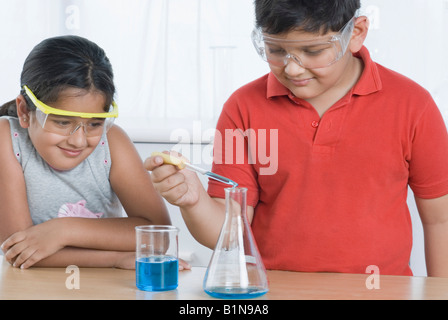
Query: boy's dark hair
{"points": [[314, 16], [62, 62]]}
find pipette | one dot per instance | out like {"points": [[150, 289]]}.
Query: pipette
{"points": [[181, 164]]}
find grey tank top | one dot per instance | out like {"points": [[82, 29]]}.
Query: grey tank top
{"points": [[83, 191]]}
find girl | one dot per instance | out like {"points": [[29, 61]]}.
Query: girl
{"points": [[63, 160]]}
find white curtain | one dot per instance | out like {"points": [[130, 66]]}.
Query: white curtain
{"points": [[411, 37], [177, 61]]}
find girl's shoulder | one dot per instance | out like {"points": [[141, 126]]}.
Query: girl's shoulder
{"points": [[8, 125], [4, 124], [5, 133], [124, 155], [6, 144], [118, 139], [14, 140]]}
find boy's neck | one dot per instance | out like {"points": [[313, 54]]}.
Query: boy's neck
{"points": [[325, 101]]}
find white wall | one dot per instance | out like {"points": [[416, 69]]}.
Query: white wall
{"points": [[176, 61]]}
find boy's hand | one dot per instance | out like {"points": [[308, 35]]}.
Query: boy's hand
{"points": [[178, 187]]}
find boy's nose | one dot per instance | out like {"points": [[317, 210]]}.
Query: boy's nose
{"points": [[293, 67]]}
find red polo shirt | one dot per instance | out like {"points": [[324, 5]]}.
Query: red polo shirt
{"points": [[330, 193]]}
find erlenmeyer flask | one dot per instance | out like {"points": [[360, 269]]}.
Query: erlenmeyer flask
{"points": [[236, 270]]}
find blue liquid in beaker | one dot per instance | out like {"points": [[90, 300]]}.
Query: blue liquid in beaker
{"points": [[157, 273]]}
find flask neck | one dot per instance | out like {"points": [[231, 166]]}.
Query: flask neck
{"points": [[236, 202]]}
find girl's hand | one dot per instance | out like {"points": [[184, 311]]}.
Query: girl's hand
{"points": [[184, 265], [25, 248], [126, 260]]}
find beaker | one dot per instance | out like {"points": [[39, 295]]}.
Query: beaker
{"points": [[156, 258], [236, 270]]}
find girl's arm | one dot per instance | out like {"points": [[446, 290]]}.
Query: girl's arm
{"points": [[87, 258], [14, 212], [132, 182], [29, 244], [27, 247]]}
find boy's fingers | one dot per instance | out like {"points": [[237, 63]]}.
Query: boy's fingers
{"points": [[163, 172], [172, 157], [158, 158], [153, 162]]}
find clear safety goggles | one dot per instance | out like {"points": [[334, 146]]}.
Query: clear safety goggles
{"points": [[309, 54], [66, 123]]}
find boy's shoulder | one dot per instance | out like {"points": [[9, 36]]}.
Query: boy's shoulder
{"points": [[257, 87], [249, 99], [394, 82], [377, 78]]}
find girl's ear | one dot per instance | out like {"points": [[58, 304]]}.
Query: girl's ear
{"points": [[23, 113], [359, 34]]}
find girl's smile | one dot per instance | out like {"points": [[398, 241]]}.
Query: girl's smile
{"points": [[71, 153]]}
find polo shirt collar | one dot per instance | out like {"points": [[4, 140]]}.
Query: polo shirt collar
{"points": [[275, 88], [370, 80], [368, 83]]}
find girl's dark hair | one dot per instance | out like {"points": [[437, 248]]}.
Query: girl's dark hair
{"points": [[61, 62], [314, 16]]}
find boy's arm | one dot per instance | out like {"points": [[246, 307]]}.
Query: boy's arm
{"points": [[434, 216], [202, 214], [206, 227]]}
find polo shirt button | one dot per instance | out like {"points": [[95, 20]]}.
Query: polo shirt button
{"points": [[315, 124]]}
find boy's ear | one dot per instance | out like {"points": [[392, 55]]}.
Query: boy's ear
{"points": [[23, 113], [359, 34]]}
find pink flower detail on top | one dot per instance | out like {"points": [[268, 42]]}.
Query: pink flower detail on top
{"points": [[77, 210]]}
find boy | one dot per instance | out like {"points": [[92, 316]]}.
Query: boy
{"points": [[352, 136]]}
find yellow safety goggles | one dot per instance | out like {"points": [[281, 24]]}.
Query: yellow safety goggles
{"points": [[66, 123], [49, 110]]}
